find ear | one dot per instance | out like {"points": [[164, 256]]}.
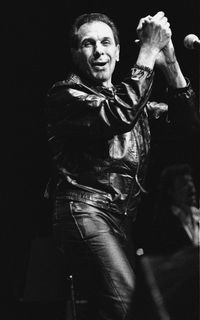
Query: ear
{"points": [[117, 52]]}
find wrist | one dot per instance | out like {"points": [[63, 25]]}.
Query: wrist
{"points": [[140, 70], [176, 91], [173, 75], [147, 56], [169, 54]]}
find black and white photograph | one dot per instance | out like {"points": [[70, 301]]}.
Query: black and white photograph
{"points": [[100, 150]]}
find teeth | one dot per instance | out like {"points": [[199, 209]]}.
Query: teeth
{"points": [[99, 63]]}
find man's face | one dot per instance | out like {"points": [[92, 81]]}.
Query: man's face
{"points": [[184, 191], [97, 52]]}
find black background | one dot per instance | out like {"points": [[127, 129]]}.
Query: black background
{"points": [[34, 56]]}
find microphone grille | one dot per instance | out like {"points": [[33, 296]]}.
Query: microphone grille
{"points": [[189, 41]]}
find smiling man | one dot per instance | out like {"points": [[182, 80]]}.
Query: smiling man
{"points": [[97, 52], [100, 139]]}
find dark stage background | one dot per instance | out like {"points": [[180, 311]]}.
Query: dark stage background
{"points": [[34, 56]]}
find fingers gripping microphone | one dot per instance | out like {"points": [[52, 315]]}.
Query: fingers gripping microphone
{"points": [[191, 41]]}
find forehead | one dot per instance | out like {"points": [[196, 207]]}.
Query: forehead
{"points": [[95, 29]]}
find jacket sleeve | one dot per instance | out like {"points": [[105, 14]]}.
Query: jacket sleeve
{"points": [[77, 110], [183, 111]]}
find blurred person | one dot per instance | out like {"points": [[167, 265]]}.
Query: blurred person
{"points": [[177, 218]]}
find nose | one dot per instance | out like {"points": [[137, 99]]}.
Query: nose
{"points": [[98, 49]]}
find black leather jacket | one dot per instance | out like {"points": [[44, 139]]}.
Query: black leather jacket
{"points": [[100, 139]]}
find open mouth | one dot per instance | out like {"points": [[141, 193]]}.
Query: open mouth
{"points": [[99, 64]]}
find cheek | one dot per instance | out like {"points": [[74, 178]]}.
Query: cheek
{"points": [[113, 63], [83, 64], [81, 58], [114, 58], [117, 51]]}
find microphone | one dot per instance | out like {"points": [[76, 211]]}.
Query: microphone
{"points": [[191, 41]]}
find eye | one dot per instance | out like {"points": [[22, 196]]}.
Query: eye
{"points": [[86, 44], [106, 42]]}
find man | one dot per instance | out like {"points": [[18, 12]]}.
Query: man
{"points": [[100, 138], [177, 217]]}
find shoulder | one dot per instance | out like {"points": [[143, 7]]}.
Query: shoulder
{"points": [[64, 90], [71, 81]]}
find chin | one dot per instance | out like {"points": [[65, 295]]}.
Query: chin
{"points": [[102, 76]]}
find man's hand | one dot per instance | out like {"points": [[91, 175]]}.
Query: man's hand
{"points": [[154, 32]]}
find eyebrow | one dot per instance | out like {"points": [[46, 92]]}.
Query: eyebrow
{"points": [[92, 39], [87, 39]]}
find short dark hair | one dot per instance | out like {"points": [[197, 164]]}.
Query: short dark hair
{"points": [[170, 173], [88, 18]]}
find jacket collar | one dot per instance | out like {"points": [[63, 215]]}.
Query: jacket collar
{"points": [[75, 79]]}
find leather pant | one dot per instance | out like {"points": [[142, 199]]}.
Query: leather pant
{"points": [[96, 249]]}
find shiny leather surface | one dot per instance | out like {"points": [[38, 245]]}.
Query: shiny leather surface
{"points": [[100, 139], [95, 245]]}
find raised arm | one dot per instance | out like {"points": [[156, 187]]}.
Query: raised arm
{"points": [[154, 34], [166, 60]]}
